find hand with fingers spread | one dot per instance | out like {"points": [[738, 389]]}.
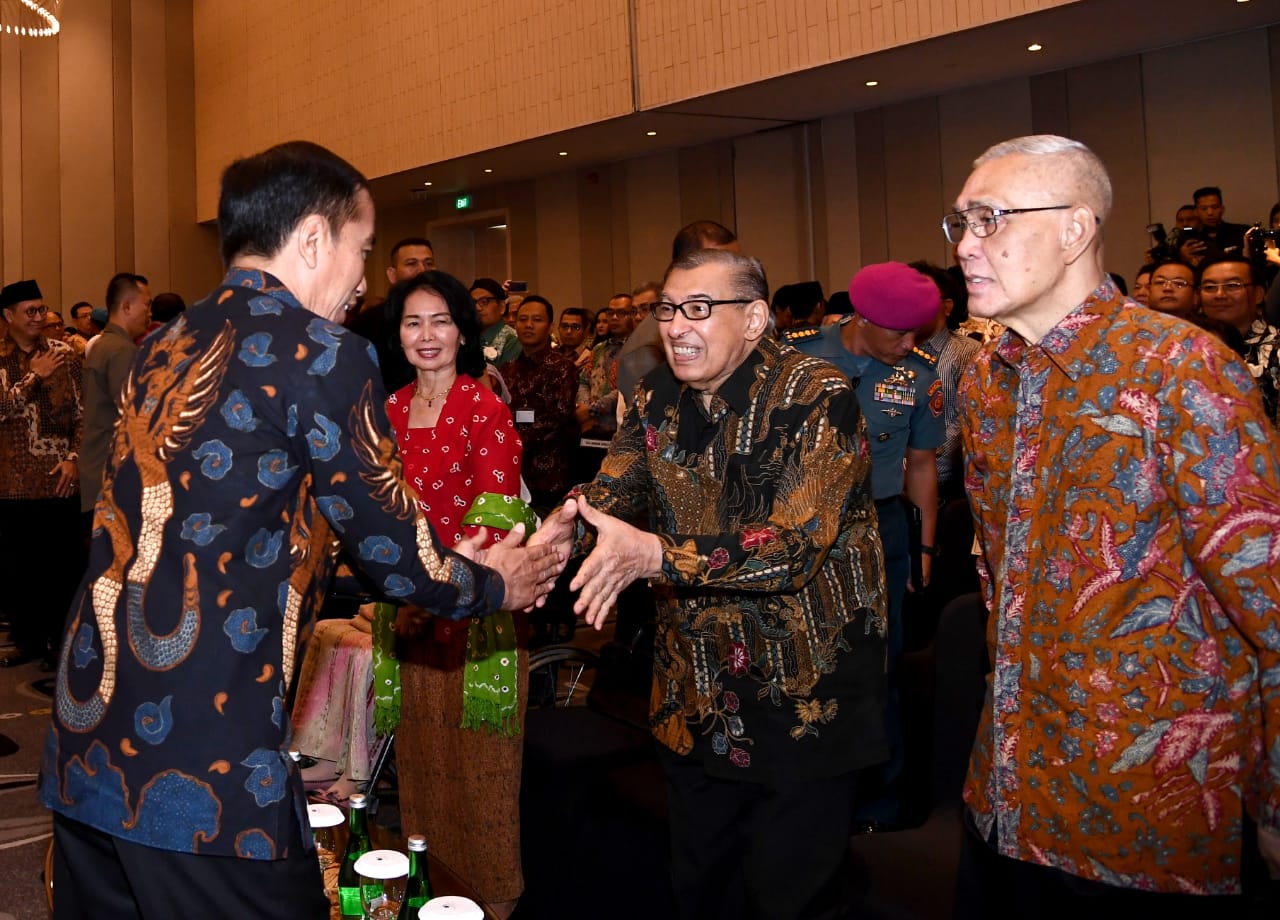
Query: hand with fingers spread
{"points": [[44, 363], [528, 572], [622, 554]]}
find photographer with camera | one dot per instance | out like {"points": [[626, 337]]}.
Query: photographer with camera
{"points": [[1215, 237]]}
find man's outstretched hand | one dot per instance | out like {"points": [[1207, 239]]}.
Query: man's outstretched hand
{"points": [[528, 572]]}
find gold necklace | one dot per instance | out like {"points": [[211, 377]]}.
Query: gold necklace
{"points": [[431, 397]]}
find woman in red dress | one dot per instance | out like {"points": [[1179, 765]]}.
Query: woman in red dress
{"points": [[460, 786]]}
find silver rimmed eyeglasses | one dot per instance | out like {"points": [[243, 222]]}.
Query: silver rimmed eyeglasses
{"points": [[983, 220], [664, 311]]}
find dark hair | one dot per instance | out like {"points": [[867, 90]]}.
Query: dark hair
{"points": [[577, 311], [265, 196], [649, 286], [77, 305], [166, 306], [1240, 259], [940, 277], [538, 298], [1147, 269], [1184, 207], [698, 235], [1119, 283], [462, 309], [1178, 262], [120, 287], [1275, 209], [493, 288], [410, 241], [746, 274], [1205, 192], [620, 294]]}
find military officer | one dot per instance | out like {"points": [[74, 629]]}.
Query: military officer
{"points": [[901, 399]]}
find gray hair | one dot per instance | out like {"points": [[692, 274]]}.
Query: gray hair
{"points": [[1086, 169], [746, 274]]}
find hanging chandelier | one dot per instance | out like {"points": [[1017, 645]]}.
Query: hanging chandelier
{"points": [[31, 18]]}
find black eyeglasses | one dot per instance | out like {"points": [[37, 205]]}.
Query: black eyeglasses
{"points": [[1227, 287], [665, 311], [983, 220]]}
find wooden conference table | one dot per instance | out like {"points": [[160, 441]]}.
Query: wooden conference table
{"points": [[443, 879]]}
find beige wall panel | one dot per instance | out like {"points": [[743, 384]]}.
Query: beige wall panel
{"points": [[838, 208], [601, 248], [1225, 97], [970, 121], [1105, 103], [772, 215], [85, 127], [873, 227], [42, 238], [394, 84], [194, 263], [913, 178], [10, 160], [122, 132], [149, 229], [559, 271], [653, 214], [685, 50], [707, 186]]}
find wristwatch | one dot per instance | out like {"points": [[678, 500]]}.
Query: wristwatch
{"points": [[928, 550]]}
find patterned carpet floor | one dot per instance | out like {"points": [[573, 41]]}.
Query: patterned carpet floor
{"points": [[25, 826]]}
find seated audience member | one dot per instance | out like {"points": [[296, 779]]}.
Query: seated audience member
{"points": [[802, 304], [1229, 292], [167, 306], [952, 354], [598, 385], [543, 384], [82, 320], [643, 350], [599, 326], [838, 307], [1214, 237], [1173, 289], [574, 331], [1142, 285]]}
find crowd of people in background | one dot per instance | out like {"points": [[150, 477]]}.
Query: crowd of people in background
{"points": [[635, 430]]}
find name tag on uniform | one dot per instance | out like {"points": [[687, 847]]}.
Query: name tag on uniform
{"points": [[898, 388], [524, 416]]}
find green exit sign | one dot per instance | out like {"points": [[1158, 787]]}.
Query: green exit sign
{"points": [[462, 202]]}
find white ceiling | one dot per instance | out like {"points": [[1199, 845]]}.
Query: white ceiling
{"points": [[1073, 35]]}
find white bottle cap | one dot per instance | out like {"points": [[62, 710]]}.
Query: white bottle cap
{"points": [[383, 864], [323, 814], [450, 907]]}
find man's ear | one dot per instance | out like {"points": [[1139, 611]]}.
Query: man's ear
{"points": [[1079, 230], [311, 236], [391, 274], [757, 320]]}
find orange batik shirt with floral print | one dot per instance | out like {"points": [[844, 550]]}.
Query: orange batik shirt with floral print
{"points": [[1127, 497]]}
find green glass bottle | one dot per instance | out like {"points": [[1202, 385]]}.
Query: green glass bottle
{"points": [[417, 891], [357, 846]]}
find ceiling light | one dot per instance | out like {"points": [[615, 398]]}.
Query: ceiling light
{"points": [[426, 183], [1035, 46], [651, 133], [498, 227], [32, 18], [488, 170], [564, 153], [873, 83]]}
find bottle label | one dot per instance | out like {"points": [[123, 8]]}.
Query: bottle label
{"points": [[349, 901]]}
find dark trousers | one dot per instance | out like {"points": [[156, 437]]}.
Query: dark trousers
{"points": [[96, 876], [42, 560], [991, 885], [750, 850]]}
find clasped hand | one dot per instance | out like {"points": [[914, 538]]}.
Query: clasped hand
{"points": [[528, 572], [621, 555]]}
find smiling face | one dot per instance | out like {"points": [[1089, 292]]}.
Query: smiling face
{"points": [[704, 353], [1218, 300], [427, 333], [26, 321]]}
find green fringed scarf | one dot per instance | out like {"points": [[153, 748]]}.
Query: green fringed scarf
{"points": [[489, 681], [386, 670]]}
